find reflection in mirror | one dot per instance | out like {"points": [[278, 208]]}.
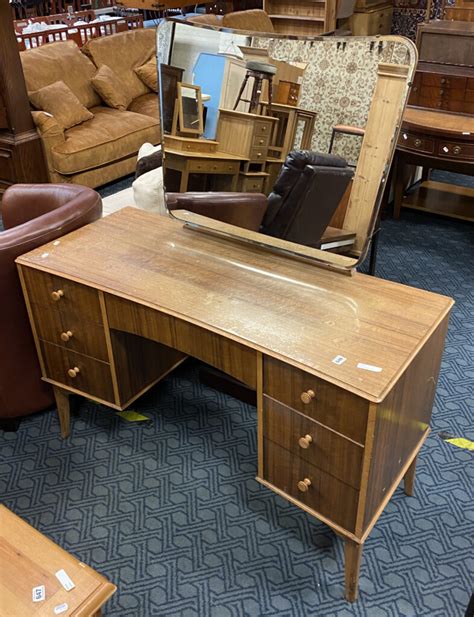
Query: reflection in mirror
{"points": [[282, 141]]}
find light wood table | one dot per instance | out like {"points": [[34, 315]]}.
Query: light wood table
{"points": [[345, 367], [207, 163], [28, 560]]}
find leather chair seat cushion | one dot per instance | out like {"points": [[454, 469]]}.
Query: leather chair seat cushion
{"points": [[147, 104], [62, 61], [110, 135], [123, 53]]}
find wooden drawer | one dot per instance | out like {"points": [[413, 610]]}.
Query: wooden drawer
{"points": [[313, 442], [454, 94], [332, 406], [260, 141], [87, 337], [416, 142], [249, 184], [443, 81], [373, 21], [220, 167], [262, 128], [469, 96], [326, 495], [70, 296], [455, 150], [258, 155], [94, 377]]}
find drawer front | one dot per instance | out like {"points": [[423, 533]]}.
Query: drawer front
{"points": [[443, 81], [219, 167], [454, 150], [70, 330], [332, 406], [93, 377], [258, 155], [453, 94], [262, 128], [325, 494], [251, 185], [261, 141], [63, 295], [416, 142], [312, 442]]}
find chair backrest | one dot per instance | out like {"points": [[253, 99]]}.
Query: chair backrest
{"points": [[33, 215], [306, 194]]}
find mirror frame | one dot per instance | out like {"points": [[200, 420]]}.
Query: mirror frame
{"points": [[325, 259]]}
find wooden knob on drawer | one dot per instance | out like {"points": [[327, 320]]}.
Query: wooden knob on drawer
{"points": [[305, 442], [65, 336], [73, 372], [57, 295], [261, 142], [417, 142], [303, 485], [457, 149], [307, 396]]}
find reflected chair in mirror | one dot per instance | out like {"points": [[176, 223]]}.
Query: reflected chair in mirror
{"points": [[33, 214], [260, 72]]}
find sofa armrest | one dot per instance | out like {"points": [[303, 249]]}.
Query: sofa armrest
{"points": [[242, 209], [48, 127]]}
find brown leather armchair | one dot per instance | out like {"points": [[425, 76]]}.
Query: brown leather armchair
{"points": [[32, 215]]}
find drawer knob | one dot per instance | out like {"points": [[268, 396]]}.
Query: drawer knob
{"points": [[73, 372], [65, 336], [417, 143], [261, 142], [303, 485], [307, 396], [457, 149], [57, 295], [305, 442]]}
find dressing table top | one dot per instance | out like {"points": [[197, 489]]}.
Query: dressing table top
{"points": [[288, 309]]}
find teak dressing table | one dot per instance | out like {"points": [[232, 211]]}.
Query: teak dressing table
{"points": [[118, 304]]}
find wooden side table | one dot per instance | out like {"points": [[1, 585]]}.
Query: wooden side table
{"points": [[29, 560], [433, 139]]}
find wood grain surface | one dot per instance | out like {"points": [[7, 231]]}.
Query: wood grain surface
{"points": [[286, 309]]}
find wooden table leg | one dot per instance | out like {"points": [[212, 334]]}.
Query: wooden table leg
{"points": [[183, 185], [398, 187], [64, 412], [353, 555], [409, 478]]}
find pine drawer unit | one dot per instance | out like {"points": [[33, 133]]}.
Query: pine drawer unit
{"points": [[344, 367]]}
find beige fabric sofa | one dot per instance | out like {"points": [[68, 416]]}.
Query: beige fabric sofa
{"points": [[103, 148]]}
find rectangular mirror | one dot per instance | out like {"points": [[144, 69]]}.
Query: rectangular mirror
{"points": [[294, 135]]}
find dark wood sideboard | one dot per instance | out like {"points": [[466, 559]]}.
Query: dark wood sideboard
{"points": [[21, 152]]}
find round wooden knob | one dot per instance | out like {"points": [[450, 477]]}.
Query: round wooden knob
{"points": [[261, 142], [65, 336], [57, 295], [259, 155], [305, 442], [303, 485], [73, 372], [307, 396], [457, 149], [417, 143]]}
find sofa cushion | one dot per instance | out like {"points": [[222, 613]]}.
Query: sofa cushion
{"points": [[111, 88], [59, 101], [146, 104], [109, 136], [60, 61], [124, 52], [148, 73]]}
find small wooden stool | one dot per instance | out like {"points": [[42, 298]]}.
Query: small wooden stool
{"points": [[260, 71]]}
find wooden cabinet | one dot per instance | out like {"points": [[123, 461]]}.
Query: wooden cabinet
{"points": [[301, 17], [371, 21]]}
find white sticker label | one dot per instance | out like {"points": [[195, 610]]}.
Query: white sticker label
{"points": [[339, 360], [60, 608], [369, 367], [64, 579], [39, 593]]}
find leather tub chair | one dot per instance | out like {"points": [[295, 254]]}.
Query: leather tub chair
{"points": [[32, 215]]}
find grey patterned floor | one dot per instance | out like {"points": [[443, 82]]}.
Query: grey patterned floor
{"points": [[170, 511]]}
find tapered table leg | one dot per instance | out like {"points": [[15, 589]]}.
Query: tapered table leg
{"points": [[409, 478], [64, 412], [353, 555]]}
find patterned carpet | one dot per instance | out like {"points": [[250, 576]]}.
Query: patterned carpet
{"points": [[170, 511]]}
